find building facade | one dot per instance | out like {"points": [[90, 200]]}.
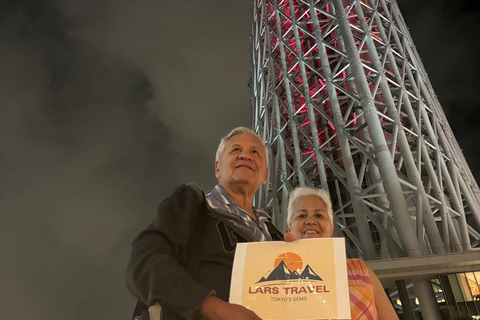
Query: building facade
{"points": [[341, 97]]}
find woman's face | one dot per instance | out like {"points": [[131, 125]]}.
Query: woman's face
{"points": [[310, 219]]}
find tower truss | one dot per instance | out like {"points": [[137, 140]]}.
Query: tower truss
{"points": [[342, 99]]}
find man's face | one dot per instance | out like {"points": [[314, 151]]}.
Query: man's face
{"points": [[242, 163]]}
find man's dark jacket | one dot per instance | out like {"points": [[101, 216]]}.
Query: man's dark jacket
{"points": [[186, 254]]}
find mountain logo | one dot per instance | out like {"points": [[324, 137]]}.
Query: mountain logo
{"points": [[288, 266]]}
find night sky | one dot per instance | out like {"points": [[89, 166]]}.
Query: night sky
{"points": [[107, 106]]}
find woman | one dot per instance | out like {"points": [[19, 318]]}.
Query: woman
{"points": [[310, 216]]}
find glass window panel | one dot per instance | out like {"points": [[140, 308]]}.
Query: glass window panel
{"points": [[457, 292], [464, 286]]}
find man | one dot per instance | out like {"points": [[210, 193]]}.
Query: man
{"points": [[183, 260]]}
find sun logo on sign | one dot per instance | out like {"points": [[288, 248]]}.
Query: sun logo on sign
{"points": [[292, 261], [288, 266]]}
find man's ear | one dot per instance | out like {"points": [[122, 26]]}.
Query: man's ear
{"points": [[265, 177], [288, 229], [217, 170]]}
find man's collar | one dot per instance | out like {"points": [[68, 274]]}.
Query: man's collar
{"points": [[227, 199], [229, 202]]}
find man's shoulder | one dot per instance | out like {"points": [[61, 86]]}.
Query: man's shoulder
{"points": [[189, 188], [193, 187], [184, 197]]}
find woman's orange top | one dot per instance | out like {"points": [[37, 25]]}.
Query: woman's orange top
{"points": [[362, 299]]}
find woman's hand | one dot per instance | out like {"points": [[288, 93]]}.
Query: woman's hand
{"points": [[216, 309], [289, 237]]}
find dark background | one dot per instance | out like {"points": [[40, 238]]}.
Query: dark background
{"points": [[107, 106]]}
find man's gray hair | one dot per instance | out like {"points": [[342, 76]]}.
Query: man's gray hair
{"points": [[234, 132], [301, 192]]}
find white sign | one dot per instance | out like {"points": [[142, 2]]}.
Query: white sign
{"points": [[303, 279]]}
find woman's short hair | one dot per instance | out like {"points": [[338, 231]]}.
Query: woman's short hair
{"points": [[234, 132], [300, 192]]}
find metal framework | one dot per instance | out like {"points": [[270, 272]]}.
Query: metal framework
{"points": [[341, 97]]}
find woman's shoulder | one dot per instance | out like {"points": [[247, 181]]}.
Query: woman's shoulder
{"points": [[357, 264], [355, 261]]}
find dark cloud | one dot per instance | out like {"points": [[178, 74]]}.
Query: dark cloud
{"points": [[106, 106], [444, 34], [80, 149]]}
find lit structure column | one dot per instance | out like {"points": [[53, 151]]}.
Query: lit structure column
{"points": [[342, 98], [427, 300]]}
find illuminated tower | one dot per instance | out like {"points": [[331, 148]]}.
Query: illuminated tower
{"points": [[342, 99]]}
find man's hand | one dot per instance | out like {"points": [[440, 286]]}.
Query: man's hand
{"points": [[214, 308], [288, 237]]}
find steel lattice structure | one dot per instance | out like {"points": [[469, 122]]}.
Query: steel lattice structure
{"points": [[344, 103]]}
